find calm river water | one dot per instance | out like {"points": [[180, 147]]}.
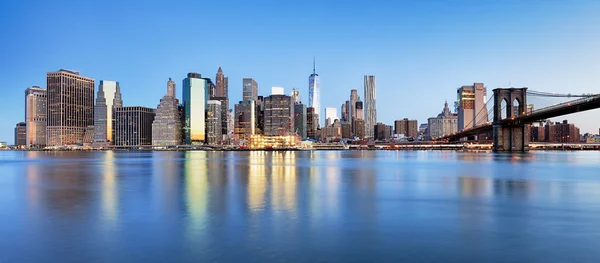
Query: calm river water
{"points": [[327, 206]]}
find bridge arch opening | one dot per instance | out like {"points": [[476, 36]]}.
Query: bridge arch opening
{"points": [[504, 109], [516, 108]]}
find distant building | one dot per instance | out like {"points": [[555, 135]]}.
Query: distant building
{"points": [[21, 134], [472, 109], [332, 132], [561, 132], [195, 95], [70, 107], [250, 89], [314, 92], [359, 128], [167, 126], [370, 106], [330, 116], [133, 126], [344, 110], [382, 132], [295, 96], [230, 124], [300, 122], [538, 133], [423, 128], [245, 120], [444, 124], [353, 100], [407, 127], [312, 124], [88, 136], [214, 132], [108, 98], [36, 105], [278, 115], [260, 115]]}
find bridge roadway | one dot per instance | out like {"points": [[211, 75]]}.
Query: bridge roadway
{"points": [[583, 104]]}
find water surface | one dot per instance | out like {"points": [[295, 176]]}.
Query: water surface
{"points": [[326, 206]]}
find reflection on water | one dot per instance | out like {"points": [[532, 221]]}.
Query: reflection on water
{"points": [[361, 206]]}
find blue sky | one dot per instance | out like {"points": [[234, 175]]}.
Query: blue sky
{"points": [[420, 51]]}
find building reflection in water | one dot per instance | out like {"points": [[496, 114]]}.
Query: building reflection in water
{"points": [[196, 190], [166, 181], [34, 184], [475, 186], [110, 191], [257, 181], [283, 181]]}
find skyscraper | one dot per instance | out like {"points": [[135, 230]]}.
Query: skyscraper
{"points": [[222, 95], [167, 127], [133, 125], [250, 89], [195, 96], [353, 100], [300, 120], [314, 92], [108, 98], [21, 134], [70, 107], [472, 109], [278, 115], [370, 106], [311, 123], [36, 116], [245, 120], [213, 122]]}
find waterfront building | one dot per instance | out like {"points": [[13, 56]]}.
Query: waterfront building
{"points": [[36, 116], [370, 106], [314, 92], [167, 126], [312, 124], [245, 120], [346, 130], [107, 98], [538, 133], [278, 115], [444, 124], [332, 132], [223, 101], [21, 134], [382, 132], [195, 96], [260, 115], [409, 128], [259, 141], [70, 107], [133, 126], [330, 116], [359, 128], [300, 122], [214, 132], [250, 89], [561, 132], [88, 136], [472, 109]]}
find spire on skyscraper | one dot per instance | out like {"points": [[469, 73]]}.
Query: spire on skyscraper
{"points": [[314, 66]]}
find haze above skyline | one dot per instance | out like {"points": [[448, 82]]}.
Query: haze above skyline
{"points": [[420, 51]]}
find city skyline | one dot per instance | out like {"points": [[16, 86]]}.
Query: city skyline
{"points": [[436, 52]]}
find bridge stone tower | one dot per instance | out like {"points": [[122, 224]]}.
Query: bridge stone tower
{"points": [[510, 135]]}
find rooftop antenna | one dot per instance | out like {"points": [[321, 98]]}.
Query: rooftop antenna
{"points": [[314, 68]]}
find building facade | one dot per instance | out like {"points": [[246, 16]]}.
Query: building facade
{"points": [[222, 95], [444, 124], [359, 128], [314, 92], [107, 98], [167, 129], [353, 100], [250, 89], [370, 106], [214, 132], [409, 128], [472, 108], [133, 126], [245, 120], [195, 95], [300, 122], [21, 134], [312, 123], [70, 107], [278, 115], [36, 106], [382, 132], [561, 132]]}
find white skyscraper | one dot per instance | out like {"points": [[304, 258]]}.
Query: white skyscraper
{"points": [[370, 106], [314, 92]]}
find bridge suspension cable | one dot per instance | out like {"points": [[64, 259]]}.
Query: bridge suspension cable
{"points": [[557, 95]]}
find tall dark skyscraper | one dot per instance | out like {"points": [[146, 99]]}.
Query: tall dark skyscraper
{"points": [[133, 126], [222, 94], [70, 107], [250, 89]]}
